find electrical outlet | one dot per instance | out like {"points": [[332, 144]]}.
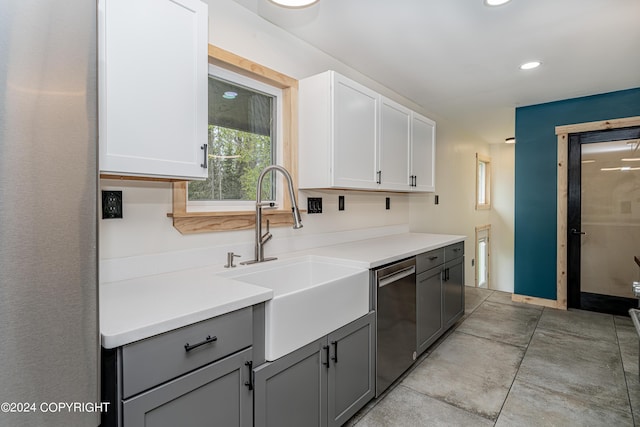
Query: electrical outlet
{"points": [[111, 204], [340, 203], [387, 203], [314, 205]]}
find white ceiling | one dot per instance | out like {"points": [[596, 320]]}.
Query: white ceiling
{"points": [[460, 59]]}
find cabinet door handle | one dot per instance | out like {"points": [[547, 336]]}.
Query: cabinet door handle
{"points": [[433, 258], [379, 177], [335, 351], [415, 180], [249, 383], [327, 363], [205, 163], [209, 339]]}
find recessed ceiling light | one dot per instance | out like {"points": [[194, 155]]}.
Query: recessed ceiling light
{"points": [[495, 2], [530, 65], [511, 140], [230, 95], [631, 159], [294, 3]]}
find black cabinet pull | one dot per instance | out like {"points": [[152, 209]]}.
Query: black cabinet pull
{"points": [[415, 180], [209, 339], [249, 383], [433, 258], [335, 351], [205, 147], [327, 363], [379, 177]]}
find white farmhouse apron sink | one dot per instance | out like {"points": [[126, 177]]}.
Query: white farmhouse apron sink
{"points": [[312, 296]]}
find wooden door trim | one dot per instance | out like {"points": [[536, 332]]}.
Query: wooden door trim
{"points": [[562, 133]]}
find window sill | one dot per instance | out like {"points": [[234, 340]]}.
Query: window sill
{"points": [[203, 222]]}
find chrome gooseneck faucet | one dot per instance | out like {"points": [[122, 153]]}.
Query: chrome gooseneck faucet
{"points": [[261, 239]]}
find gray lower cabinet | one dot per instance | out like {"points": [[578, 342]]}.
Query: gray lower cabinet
{"points": [[322, 384], [439, 292], [429, 319], [196, 375], [453, 291], [213, 395]]}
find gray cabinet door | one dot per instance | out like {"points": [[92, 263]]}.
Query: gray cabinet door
{"points": [[429, 307], [351, 382], [213, 395], [292, 390], [453, 290]]}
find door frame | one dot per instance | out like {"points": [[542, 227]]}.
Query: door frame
{"points": [[562, 133]]}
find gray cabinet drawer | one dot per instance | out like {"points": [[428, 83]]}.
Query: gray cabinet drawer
{"points": [[155, 360], [429, 260], [454, 251]]}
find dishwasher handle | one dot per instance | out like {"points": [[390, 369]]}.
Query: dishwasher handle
{"points": [[393, 277]]}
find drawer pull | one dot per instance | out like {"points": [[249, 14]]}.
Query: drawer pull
{"points": [[249, 383], [328, 362], [433, 258], [207, 340], [335, 351]]}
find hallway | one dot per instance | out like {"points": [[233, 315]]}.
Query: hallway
{"points": [[508, 364]]}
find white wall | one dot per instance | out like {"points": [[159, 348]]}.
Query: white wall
{"points": [[455, 186], [146, 230], [502, 216]]}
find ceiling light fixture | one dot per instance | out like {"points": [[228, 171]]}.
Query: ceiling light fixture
{"points": [[294, 4], [510, 140], [495, 2], [230, 95], [588, 161], [631, 159], [530, 65]]}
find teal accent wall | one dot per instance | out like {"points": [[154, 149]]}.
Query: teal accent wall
{"points": [[536, 181]]}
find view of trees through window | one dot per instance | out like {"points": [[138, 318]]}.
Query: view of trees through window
{"points": [[236, 159], [240, 144]]}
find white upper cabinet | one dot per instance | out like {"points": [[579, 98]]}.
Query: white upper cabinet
{"points": [[153, 87], [352, 137], [394, 146], [338, 133], [423, 153]]}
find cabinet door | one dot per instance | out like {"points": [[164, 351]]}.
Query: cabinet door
{"points": [[423, 153], [351, 382], [153, 87], [453, 291], [291, 391], [355, 122], [395, 125], [429, 307], [213, 395]]}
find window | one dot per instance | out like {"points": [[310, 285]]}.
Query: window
{"points": [[483, 182], [244, 118], [232, 213]]}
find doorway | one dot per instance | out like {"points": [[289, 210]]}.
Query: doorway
{"points": [[483, 256], [603, 219]]}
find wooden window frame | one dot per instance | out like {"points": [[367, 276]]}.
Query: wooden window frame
{"points": [[487, 161], [203, 222]]}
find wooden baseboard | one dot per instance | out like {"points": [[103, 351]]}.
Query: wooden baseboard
{"points": [[537, 301]]}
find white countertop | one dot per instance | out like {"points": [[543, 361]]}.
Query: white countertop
{"points": [[131, 310], [373, 253]]}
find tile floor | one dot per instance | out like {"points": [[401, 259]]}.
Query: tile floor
{"points": [[511, 364]]}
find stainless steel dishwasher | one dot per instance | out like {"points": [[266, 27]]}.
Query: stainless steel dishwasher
{"points": [[396, 320]]}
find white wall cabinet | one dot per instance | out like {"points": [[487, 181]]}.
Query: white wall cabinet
{"points": [[153, 87], [394, 146], [352, 137], [338, 133], [423, 153]]}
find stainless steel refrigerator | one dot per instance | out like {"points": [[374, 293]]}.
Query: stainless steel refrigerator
{"points": [[49, 335]]}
